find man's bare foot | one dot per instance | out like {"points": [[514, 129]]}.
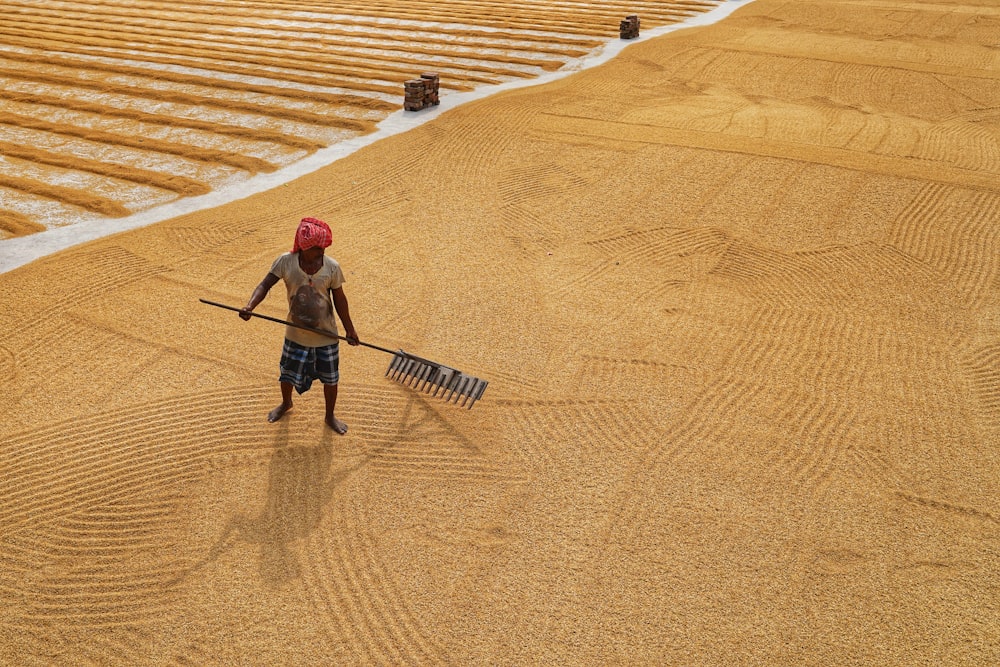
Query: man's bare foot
{"points": [[278, 412], [337, 425]]}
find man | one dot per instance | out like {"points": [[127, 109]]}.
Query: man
{"points": [[310, 280]]}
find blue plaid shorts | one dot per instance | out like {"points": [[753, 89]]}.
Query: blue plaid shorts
{"points": [[300, 365]]}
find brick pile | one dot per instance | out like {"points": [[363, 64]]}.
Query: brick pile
{"points": [[421, 93], [629, 28]]}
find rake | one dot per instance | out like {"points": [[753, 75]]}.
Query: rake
{"points": [[408, 369]]}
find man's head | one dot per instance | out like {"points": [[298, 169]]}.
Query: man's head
{"points": [[312, 233]]}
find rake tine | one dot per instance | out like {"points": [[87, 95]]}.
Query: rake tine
{"points": [[458, 389], [393, 368], [464, 392], [429, 380], [474, 392], [480, 389], [422, 376], [399, 369], [453, 385], [408, 372], [432, 372], [418, 375], [440, 379], [442, 384], [418, 370], [449, 391], [396, 365], [411, 365], [479, 392], [453, 396]]}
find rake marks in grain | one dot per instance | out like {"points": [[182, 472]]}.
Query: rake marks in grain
{"points": [[94, 577], [950, 508], [814, 447], [770, 385], [485, 144], [627, 373], [117, 267], [362, 601], [880, 467], [662, 243], [539, 181], [520, 224], [788, 278], [360, 609], [982, 368], [818, 275], [953, 231], [612, 425], [200, 239], [527, 384], [115, 644], [415, 441], [8, 364], [69, 467]]}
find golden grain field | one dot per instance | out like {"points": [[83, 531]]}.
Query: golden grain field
{"points": [[737, 295]]}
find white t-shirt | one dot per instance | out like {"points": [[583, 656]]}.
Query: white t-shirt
{"points": [[309, 300]]}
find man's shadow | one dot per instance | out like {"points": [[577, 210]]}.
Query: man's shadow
{"points": [[300, 485]]}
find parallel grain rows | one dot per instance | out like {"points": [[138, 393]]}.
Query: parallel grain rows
{"points": [[93, 506], [416, 443], [84, 495], [361, 601], [77, 468], [790, 394], [117, 267], [955, 232], [983, 369], [114, 107]]}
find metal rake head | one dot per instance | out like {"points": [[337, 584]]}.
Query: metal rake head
{"points": [[424, 375]]}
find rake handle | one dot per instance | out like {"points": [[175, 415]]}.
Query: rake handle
{"points": [[297, 326]]}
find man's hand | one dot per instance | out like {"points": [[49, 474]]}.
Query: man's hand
{"points": [[258, 295], [352, 337]]}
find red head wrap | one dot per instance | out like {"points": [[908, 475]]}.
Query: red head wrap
{"points": [[312, 233]]}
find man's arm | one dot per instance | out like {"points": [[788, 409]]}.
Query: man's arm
{"points": [[259, 292], [344, 312]]}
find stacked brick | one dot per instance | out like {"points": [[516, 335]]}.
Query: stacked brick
{"points": [[421, 93], [413, 94], [629, 28], [431, 85]]}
